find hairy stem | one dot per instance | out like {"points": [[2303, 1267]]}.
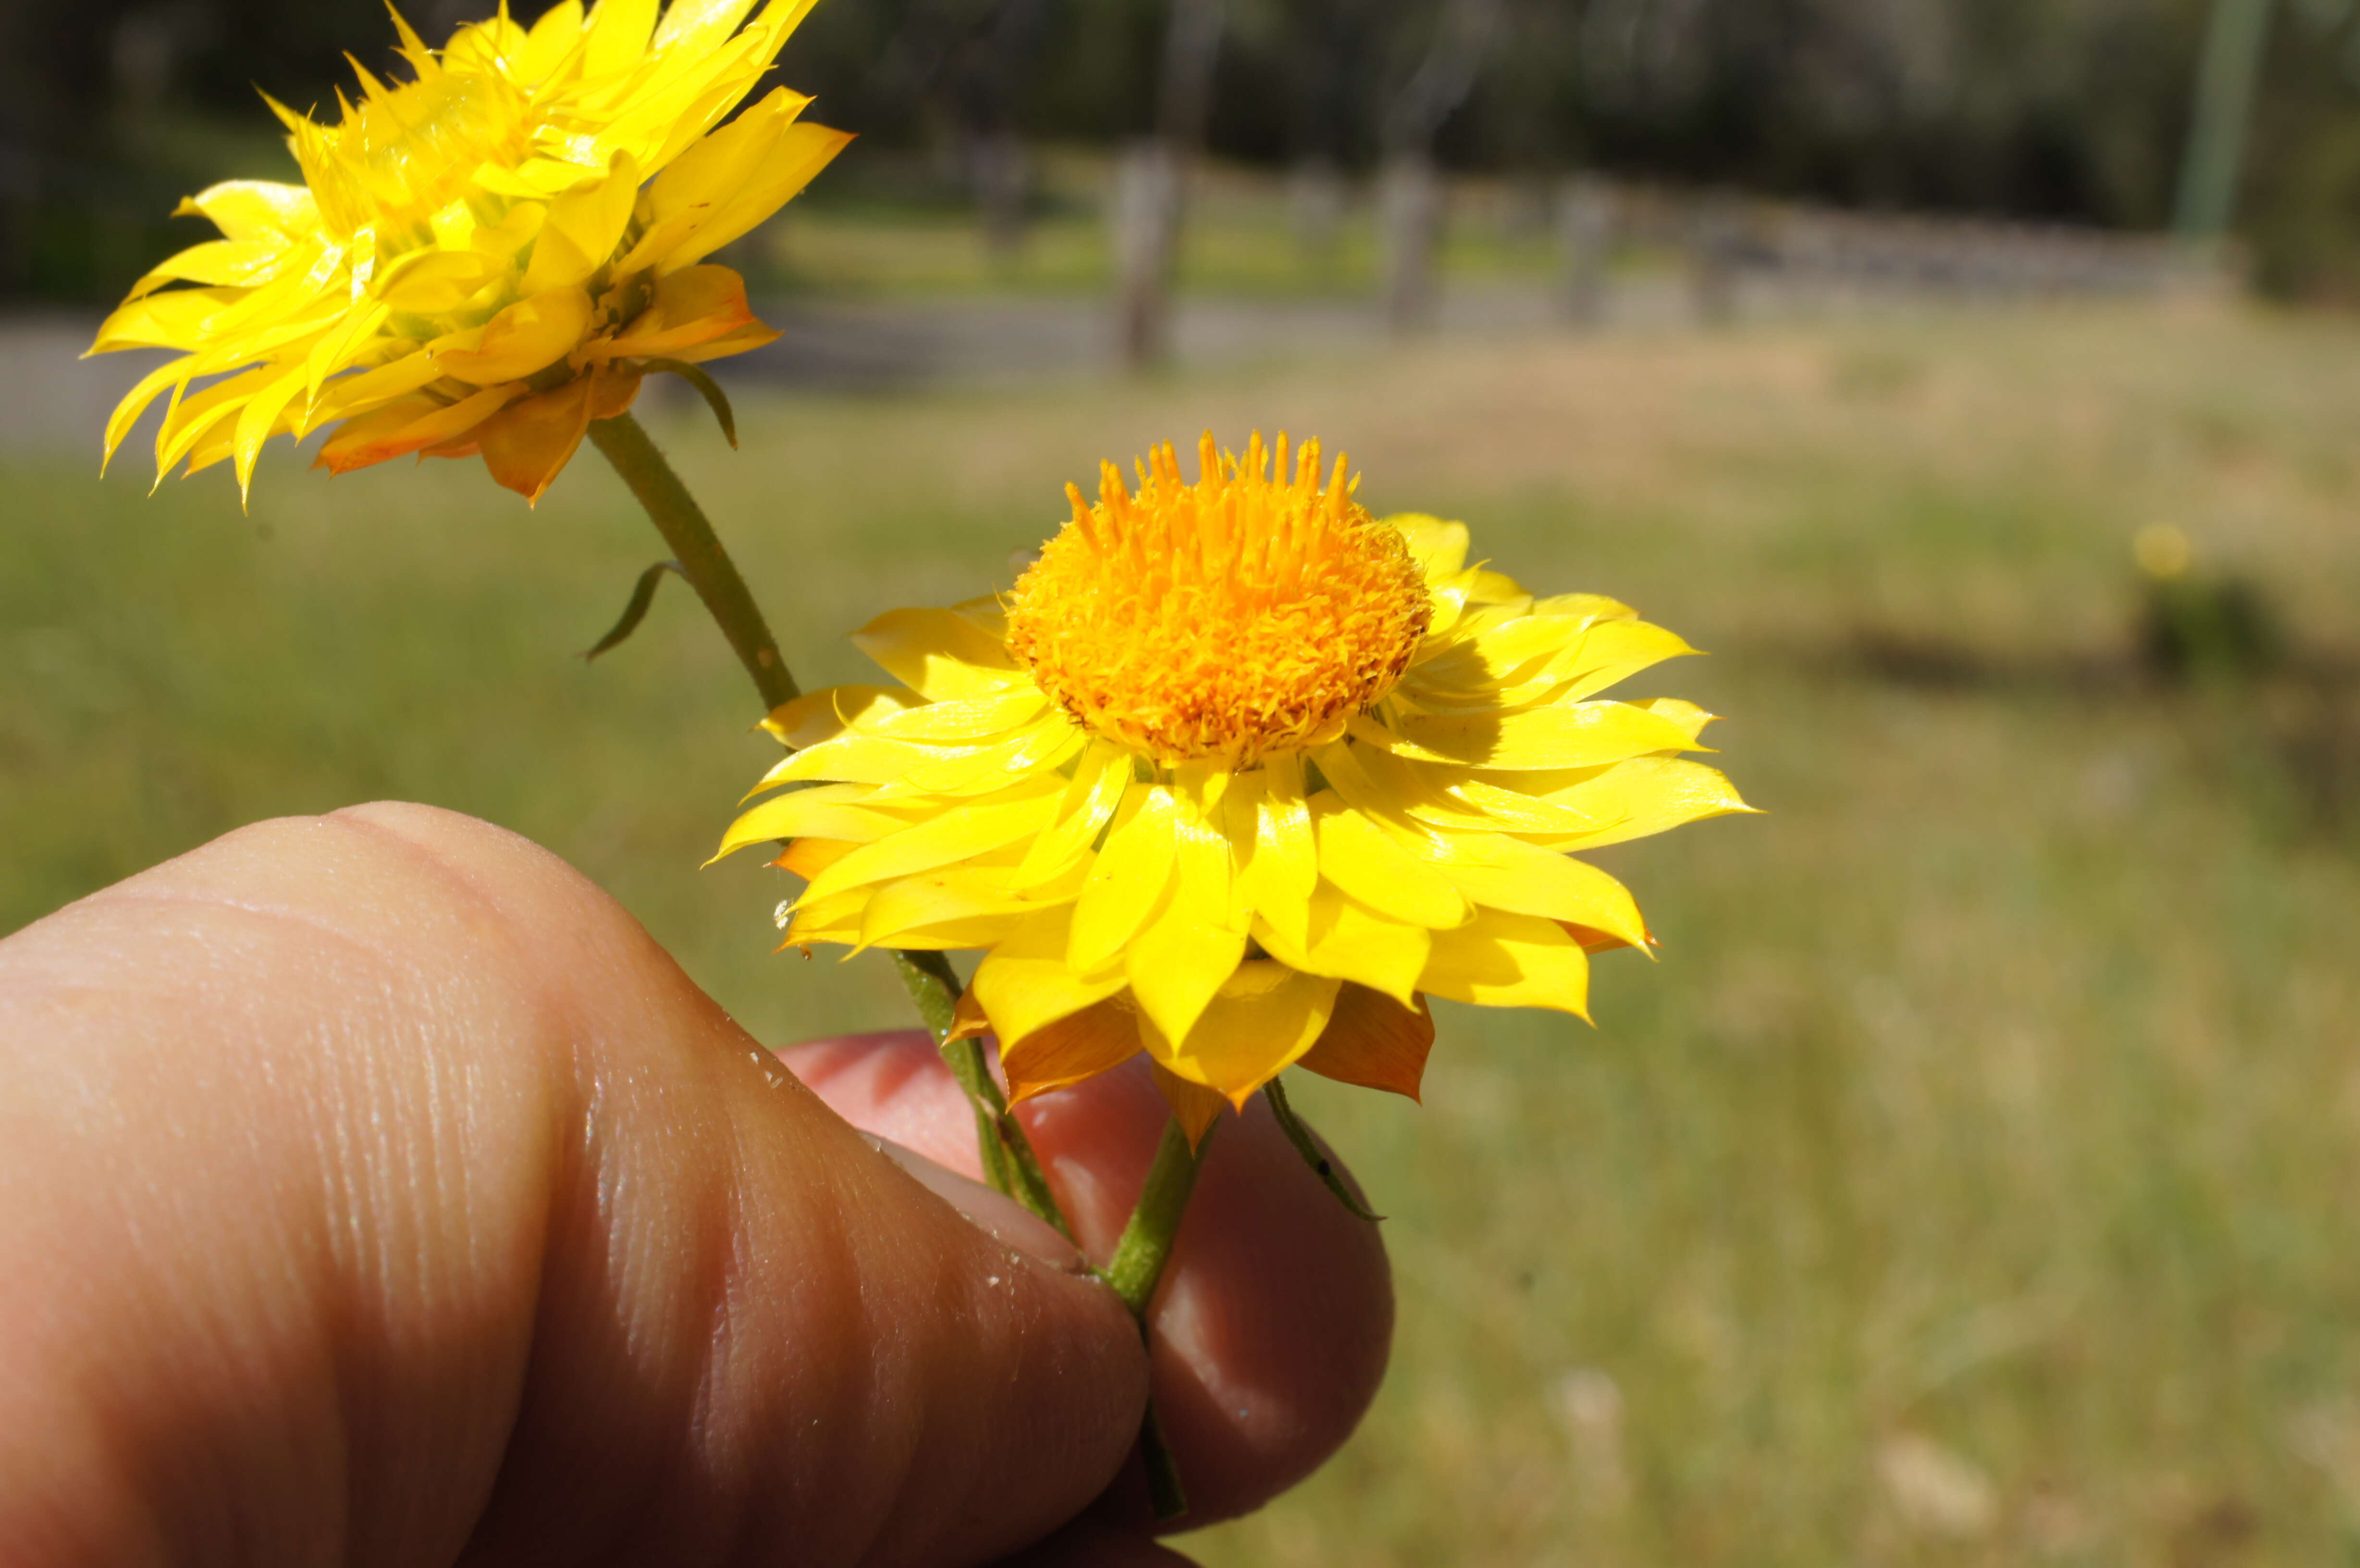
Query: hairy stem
{"points": [[1007, 1154], [698, 549], [1137, 1266]]}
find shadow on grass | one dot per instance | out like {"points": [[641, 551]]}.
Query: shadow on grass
{"points": [[2286, 739]]}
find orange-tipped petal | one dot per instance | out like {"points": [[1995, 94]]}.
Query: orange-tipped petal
{"points": [[530, 444], [1195, 1107], [692, 306], [1077, 1046], [412, 424], [968, 1021], [1374, 1041]]}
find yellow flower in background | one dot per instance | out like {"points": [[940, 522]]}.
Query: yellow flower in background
{"points": [[1237, 776], [485, 257]]}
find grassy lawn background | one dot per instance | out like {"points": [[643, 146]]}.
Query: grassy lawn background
{"points": [[1972, 1181]]}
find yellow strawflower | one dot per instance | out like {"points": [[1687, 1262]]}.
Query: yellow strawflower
{"points": [[1237, 776], [487, 258]]}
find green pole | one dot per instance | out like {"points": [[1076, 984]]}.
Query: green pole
{"points": [[2224, 103]]}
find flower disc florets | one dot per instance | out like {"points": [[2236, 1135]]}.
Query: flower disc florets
{"points": [[1244, 613]]}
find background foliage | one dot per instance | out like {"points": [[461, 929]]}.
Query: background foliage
{"points": [[2065, 109]]}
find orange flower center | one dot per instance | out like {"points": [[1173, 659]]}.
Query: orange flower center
{"points": [[1244, 613]]}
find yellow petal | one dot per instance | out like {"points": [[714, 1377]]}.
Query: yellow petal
{"points": [[823, 716], [1577, 734], [1184, 951], [1615, 650], [1100, 780], [616, 36], [179, 318], [583, 228], [356, 393], [431, 282], [1279, 869], [248, 208], [172, 373], [1590, 606], [807, 857], [1265, 1017], [1509, 961], [1687, 717], [1038, 748], [1646, 795], [970, 719], [1375, 1042], [856, 758], [235, 263], [530, 335], [939, 653], [832, 810], [939, 841], [1440, 548], [694, 26], [1077, 1046], [1364, 861], [259, 420], [1128, 881], [915, 912], [551, 40], [1350, 941], [1024, 981], [780, 173], [1503, 873]]}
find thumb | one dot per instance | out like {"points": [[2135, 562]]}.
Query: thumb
{"points": [[458, 1224]]}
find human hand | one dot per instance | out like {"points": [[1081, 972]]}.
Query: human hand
{"points": [[373, 1190]]}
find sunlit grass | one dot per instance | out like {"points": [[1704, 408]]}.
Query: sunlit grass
{"points": [[1972, 1180]]}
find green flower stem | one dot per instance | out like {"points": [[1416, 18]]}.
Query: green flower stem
{"points": [[1008, 1159], [1007, 1154], [698, 549], [1136, 1266], [1146, 1244]]}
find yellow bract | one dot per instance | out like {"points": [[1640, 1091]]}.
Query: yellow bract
{"points": [[1250, 829], [488, 257]]}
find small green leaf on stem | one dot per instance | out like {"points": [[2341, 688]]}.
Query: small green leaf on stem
{"points": [[714, 398], [643, 595], [1308, 1147]]}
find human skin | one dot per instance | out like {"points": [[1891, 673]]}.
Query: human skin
{"points": [[374, 1189]]}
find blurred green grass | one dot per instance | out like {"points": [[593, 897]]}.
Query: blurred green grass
{"points": [[882, 240], [1972, 1181]]}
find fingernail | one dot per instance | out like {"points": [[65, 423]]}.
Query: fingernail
{"points": [[996, 1214]]}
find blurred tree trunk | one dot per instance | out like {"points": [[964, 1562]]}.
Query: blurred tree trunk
{"points": [[1001, 176], [965, 61], [1409, 225], [1318, 197], [1411, 207], [1586, 226], [1145, 213], [1328, 49], [2232, 64], [1150, 183]]}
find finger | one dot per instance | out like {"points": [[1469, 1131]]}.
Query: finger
{"points": [[1088, 1543], [1273, 1324], [373, 1190]]}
